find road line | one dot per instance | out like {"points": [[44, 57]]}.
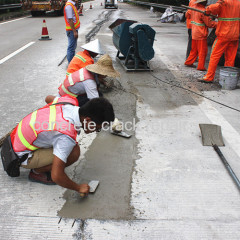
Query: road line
{"points": [[16, 52], [13, 20]]}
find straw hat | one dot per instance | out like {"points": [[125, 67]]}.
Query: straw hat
{"points": [[200, 1], [104, 66]]}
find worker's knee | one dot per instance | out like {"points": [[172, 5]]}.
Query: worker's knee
{"points": [[75, 154], [49, 99]]}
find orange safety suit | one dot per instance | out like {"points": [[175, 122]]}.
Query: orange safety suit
{"points": [[227, 33], [188, 14], [80, 60], [189, 27], [200, 24]]}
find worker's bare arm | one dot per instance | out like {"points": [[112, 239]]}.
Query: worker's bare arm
{"points": [[71, 23], [60, 177]]}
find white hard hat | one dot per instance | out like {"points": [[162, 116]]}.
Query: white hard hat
{"points": [[94, 46]]}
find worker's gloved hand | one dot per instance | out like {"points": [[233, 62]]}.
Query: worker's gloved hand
{"points": [[83, 190]]}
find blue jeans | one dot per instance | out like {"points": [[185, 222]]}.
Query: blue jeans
{"points": [[72, 45]]}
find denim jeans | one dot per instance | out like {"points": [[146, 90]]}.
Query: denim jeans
{"points": [[72, 45]]}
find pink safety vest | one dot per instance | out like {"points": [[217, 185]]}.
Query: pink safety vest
{"points": [[79, 76], [48, 118]]}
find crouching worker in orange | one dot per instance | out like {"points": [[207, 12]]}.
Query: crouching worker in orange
{"points": [[86, 57], [200, 24], [83, 83], [227, 33], [45, 140]]}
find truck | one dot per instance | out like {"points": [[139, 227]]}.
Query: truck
{"points": [[38, 7], [111, 4]]}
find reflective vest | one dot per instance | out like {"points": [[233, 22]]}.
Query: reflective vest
{"points": [[48, 118], [79, 76], [201, 23], [80, 60], [77, 23], [228, 12]]}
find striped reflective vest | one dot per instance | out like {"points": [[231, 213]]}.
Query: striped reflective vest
{"points": [[77, 23], [48, 118], [80, 60], [79, 76]]}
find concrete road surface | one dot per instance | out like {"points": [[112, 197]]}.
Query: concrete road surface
{"points": [[159, 184]]}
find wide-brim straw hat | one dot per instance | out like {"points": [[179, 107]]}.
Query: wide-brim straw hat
{"points": [[199, 1], [104, 66]]}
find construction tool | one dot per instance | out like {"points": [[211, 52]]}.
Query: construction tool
{"points": [[198, 10], [117, 129], [212, 136], [93, 186]]}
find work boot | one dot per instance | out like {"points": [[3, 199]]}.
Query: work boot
{"points": [[44, 178], [202, 80]]}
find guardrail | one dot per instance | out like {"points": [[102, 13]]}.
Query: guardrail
{"points": [[8, 6], [164, 6]]}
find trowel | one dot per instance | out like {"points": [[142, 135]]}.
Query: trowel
{"points": [[117, 129], [93, 186]]}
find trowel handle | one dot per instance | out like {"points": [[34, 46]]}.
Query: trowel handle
{"points": [[82, 194], [231, 172]]}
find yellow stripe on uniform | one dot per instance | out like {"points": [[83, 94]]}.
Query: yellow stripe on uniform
{"points": [[81, 58], [70, 80], [23, 139], [33, 121], [67, 92], [81, 75], [52, 116]]}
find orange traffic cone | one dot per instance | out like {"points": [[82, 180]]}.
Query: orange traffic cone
{"points": [[90, 6], [44, 32]]}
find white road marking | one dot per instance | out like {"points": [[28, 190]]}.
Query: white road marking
{"points": [[13, 20], [16, 52]]}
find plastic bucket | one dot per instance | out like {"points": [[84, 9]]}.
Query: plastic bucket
{"points": [[229, 78]]}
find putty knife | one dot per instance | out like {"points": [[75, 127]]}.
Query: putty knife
{"points": [[121, 134]]}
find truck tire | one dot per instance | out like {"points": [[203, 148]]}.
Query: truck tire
{"points": [[35, 13]]}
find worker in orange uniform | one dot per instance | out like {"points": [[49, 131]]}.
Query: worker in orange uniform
{"points": [[84, 58], [189, 27], [200, 24], [227, 33], [72, 26]]}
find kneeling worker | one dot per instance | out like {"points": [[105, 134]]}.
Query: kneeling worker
{"points": [[45, 140], [84, 58], [83, 83]]}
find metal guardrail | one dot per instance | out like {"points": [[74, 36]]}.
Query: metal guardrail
{"points": [[8, 6], [175, 8]]}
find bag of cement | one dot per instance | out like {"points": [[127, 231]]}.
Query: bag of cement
{"points": [[168, 16]]}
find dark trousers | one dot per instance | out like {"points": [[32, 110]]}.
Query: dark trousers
{"points": [[189, 46]]}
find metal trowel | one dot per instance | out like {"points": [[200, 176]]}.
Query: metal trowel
{"points": [[93, 186], [121, 134], [117, 129]]}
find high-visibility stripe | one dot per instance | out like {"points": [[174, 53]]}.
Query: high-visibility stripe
{"points": [[198, 24], [228, 19], [52, 116], [33, 121], [81, 58], [81, 74], [70, 80], [23, 140], [68, 73], [214, 44], [67, 92]]}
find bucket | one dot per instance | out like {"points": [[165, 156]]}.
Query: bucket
{"points": [[229, 78]]}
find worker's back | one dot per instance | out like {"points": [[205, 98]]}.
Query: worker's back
{"points": [[228, 12]]}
